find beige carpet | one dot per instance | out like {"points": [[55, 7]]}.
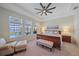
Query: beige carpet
{"points": [[34, 50]]}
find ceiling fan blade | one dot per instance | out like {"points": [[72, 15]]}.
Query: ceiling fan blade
{"points": [[45, 13], [49, 12], [51, 8], [48, 5], [42, 5], [41, 13], [37, 9], [38, 12]]}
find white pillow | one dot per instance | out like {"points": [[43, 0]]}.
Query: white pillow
{"points": [[2, 41]]}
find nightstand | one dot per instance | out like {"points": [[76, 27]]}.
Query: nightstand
{"points": [[66, 38]]}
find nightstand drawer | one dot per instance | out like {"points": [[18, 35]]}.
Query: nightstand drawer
{"points": [[66, 39]]}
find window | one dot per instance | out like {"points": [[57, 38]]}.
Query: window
{"points": [[14, 27], [28, 27], [19, 27]]}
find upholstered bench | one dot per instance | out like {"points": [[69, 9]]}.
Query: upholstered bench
{"points": [[46, 43]]}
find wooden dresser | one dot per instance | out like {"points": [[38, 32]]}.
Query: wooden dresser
{"points": [[66, 38]]}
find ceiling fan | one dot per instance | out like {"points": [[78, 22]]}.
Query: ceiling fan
{"points": [[45, 9]]}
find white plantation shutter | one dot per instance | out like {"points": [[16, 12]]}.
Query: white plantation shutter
{"points": [[14, 25]]}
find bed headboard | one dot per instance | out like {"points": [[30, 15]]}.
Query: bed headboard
{"points": [[52, 29]]}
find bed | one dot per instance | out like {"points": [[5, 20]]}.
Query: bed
{"points": [[52, 34]]}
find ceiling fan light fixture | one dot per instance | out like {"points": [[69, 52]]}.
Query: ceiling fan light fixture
{"points": [[45, 9]]}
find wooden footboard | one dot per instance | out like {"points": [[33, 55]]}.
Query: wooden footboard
{"points": [[54, 39]]}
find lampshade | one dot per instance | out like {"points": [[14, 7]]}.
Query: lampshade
{"points": [[66, 30]]}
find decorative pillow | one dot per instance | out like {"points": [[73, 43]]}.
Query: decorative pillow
{"points": [[2, 41]]}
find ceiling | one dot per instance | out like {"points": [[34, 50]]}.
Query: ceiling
{"points": [[27, 9]]}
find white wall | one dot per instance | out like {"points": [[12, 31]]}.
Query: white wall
{"points": [[4, 14], [65, 21], [77, 27]]}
